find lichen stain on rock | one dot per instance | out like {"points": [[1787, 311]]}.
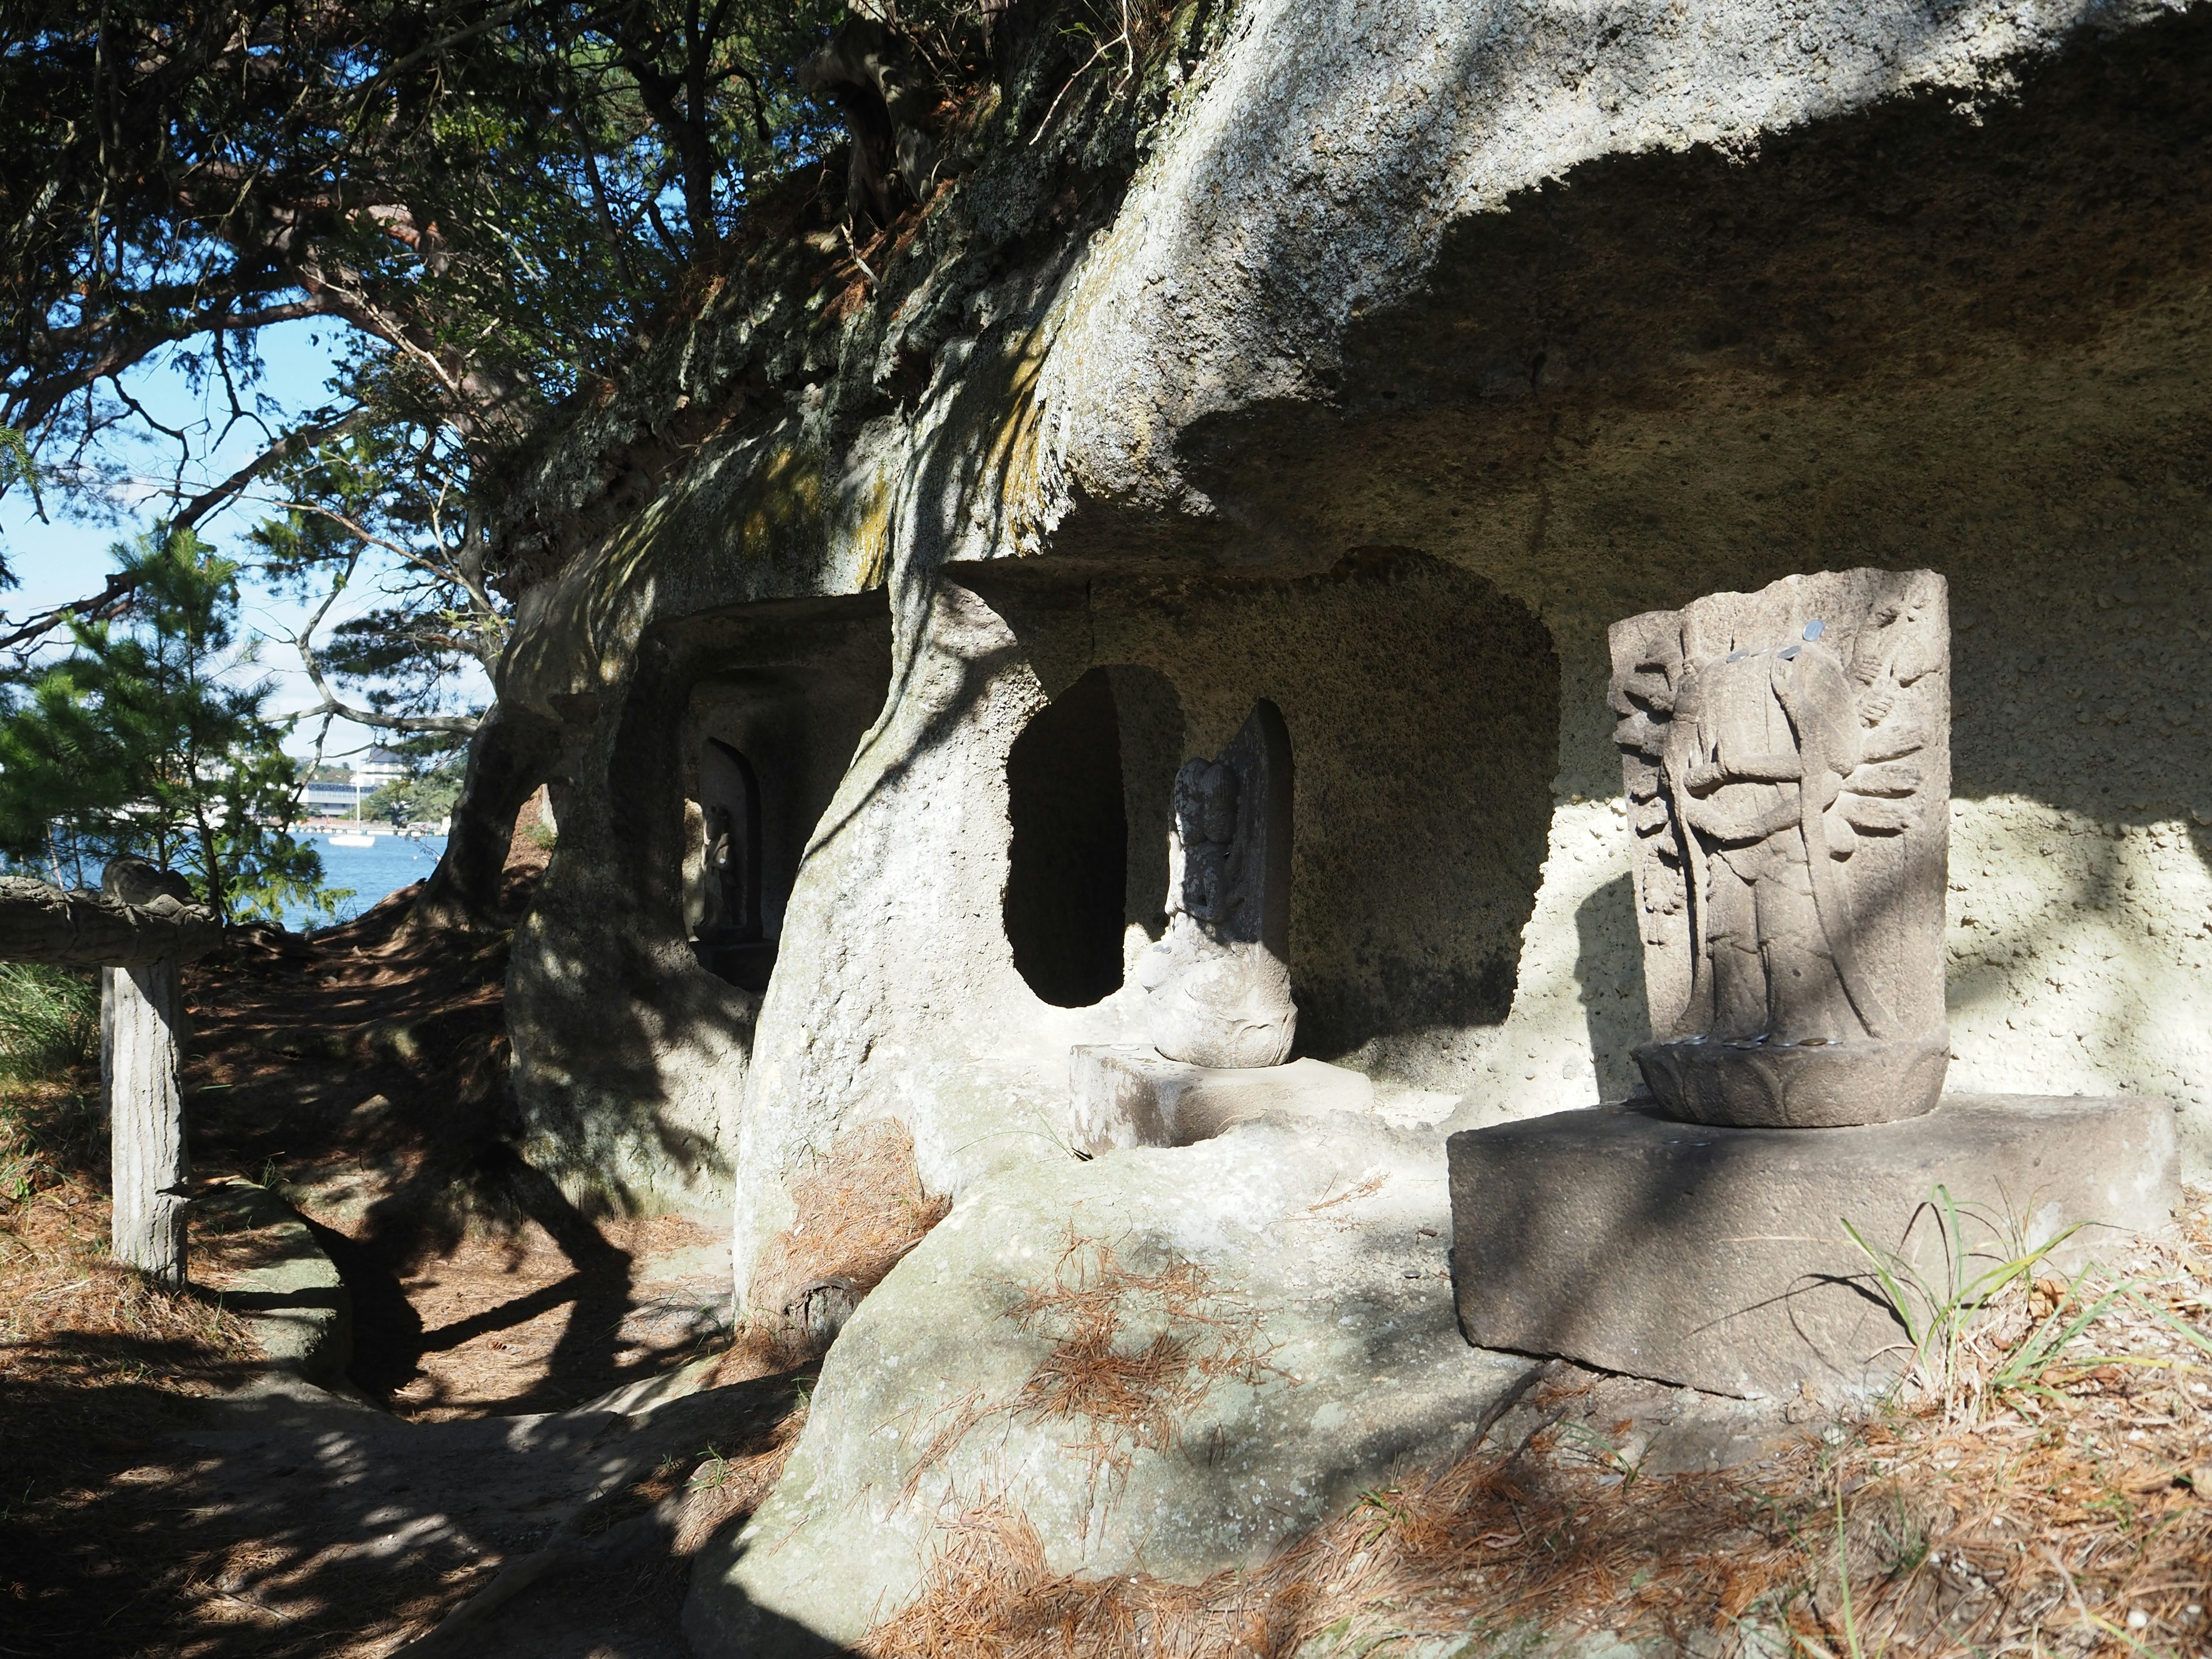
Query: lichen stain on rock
{"points": [[868, 547], [786, 500], [676, 555], [991, 461], [583, 637], [1097, 286], [1014, 457]]}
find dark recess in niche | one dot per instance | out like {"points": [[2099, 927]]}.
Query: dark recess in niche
{"points": [[731, 942], [1071, 847]]}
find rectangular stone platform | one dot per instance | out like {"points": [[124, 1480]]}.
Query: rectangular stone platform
{"points": [[1718, 1258], [1127, 1095]]}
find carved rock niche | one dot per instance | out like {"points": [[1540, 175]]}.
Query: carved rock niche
{"points": [[1787, 759], [1218, 982]]}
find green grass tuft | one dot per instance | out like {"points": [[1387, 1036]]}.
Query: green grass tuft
{"points": [[48, 1020]]}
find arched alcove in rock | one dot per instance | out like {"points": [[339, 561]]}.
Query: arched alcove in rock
{"points": [[1088, 787], [765, 749], [629, 1060], [730, 934], [1422, 703]]}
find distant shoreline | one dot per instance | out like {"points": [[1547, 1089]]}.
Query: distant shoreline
{"points": [[366, 826]]}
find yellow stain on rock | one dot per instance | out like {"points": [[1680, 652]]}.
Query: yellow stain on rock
{"points": [[587, 635], [1012, 470], [786, 494], [871, 536]]}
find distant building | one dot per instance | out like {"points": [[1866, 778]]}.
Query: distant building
{"points": [[378, 767], [336, 798]]}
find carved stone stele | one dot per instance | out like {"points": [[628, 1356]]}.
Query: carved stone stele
{"points": [[1218, 982], [1787, 759]]}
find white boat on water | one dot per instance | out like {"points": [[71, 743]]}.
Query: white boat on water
{"points": [[351, 841]]}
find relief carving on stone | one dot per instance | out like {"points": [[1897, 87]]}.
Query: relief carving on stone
{"points": [[1218, 982], [1786, 760]]}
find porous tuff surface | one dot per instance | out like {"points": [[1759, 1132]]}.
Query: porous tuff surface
{"points": [[1294, 1278], [629, 1055], [1719, 1258], [1520, 320], [1127, 1095]]}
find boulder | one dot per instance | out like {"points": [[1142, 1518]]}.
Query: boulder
{"points": [[1169, 1359]]}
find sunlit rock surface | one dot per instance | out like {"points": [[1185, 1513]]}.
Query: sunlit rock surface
{"points": [[1417, 345], [1174, 1361], [1371, 360]]}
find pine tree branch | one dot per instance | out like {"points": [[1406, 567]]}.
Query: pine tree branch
{"points": [[98, 608], [296, 442], [332, 704]]}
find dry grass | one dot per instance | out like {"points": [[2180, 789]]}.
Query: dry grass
{"points": [[49, 1020], [2061, 1506], [991, 1596], [1486, 1544], [69, 1315], [857, 1214]]}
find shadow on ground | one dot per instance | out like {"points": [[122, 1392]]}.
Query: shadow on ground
{"points": [[284, 1520]]}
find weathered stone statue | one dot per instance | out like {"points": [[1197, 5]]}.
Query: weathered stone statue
{"points": [[1219, 979], [725, 887], [1787, 755], [1787, 759]]}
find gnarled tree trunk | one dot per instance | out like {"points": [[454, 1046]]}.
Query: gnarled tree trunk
{"points": [[511, 754]]}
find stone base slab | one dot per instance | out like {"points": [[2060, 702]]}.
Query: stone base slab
{"points": [[1718, 1257], [1130, 1096], [294, 1301]]}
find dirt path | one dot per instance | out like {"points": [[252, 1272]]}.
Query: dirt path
{"points": [[152, 1510], [363, 1076], [315, 1527]]}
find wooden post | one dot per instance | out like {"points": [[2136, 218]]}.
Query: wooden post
{"points": [[142, 1018], [136, 930]]}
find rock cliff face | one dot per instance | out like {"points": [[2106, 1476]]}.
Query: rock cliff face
{"points": [[1371, 360]]}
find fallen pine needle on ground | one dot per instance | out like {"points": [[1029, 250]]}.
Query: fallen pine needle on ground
{"points": [[2046, 1491]]}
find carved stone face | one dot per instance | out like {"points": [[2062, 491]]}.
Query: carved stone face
{"points": [[1205, 803]]}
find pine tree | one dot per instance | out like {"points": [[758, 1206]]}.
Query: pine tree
{"points": [[142, 740]]}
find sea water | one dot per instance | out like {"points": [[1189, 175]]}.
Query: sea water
{"points": [[372, 872]]}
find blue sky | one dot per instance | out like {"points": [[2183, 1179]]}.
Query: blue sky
{"points": [[67, 559]]}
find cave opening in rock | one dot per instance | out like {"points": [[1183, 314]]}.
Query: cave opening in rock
{"points": [[1422, 703], [1064, 905], [763, 746]]}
